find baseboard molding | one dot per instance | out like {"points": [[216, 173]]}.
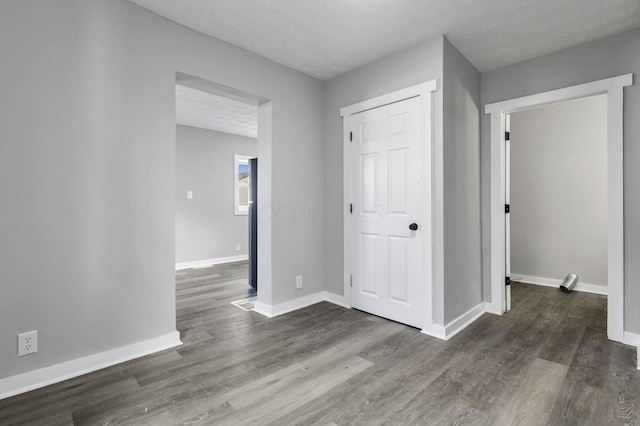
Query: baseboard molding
{"points": [[490, 308], [42, 377], [551, 282], [286, 307], [463, 321], [435, 330], [299, 303], [457, 325], [631, 339], [210, 262], [335, 299]]}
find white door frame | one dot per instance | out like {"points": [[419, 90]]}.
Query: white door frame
{"points": [[613, 88], [432, 242]]}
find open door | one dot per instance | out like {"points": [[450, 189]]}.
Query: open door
{"points": [[507, 210]]}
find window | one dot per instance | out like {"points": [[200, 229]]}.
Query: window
{"points": [[241, 181]]}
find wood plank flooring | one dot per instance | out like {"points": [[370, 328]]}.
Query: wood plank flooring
{"points": [[546, 362]]}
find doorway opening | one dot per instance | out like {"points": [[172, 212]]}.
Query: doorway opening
{"points": [[556, 193], [216, 219], [613, 89]]}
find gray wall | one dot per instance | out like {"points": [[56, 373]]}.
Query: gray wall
{"points": [[416, 65], [462, 256], [206, 225], [87, 172], [559, 191], [605, 58]]}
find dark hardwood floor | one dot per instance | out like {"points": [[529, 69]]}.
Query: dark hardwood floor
{"points": [[548, 361]]}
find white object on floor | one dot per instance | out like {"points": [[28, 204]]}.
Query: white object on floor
{"points": [[244, 304]]}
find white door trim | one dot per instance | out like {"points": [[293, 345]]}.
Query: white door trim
{"points": [[613, 88], [433, 241]]}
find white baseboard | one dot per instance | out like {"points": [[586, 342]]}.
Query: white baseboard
{"points": [[491, 308], [286, 307], [631, 339], [210, 262], [42, 377], [551, 282], [335, 299], [457, 325], [299, 303], [435, 330], [262, 309], [463, 321]]}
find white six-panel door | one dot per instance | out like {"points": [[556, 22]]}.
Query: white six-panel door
{"points": [[387, 256]]}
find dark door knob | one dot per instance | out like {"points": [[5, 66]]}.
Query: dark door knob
{"points": [[413, 226]]}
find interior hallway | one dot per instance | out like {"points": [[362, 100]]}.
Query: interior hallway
{"points": [[546, 362]]}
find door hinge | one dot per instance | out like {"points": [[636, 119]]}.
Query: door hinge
{"points": [[351, 280], [351, 208], [507, 208], [507, 280], [507, 136], [350, 136]]}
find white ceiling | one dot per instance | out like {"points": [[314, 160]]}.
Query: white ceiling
{"points": [[197, 108], [324, 38]]}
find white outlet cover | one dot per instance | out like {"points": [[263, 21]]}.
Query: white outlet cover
{"points": [[28, 343], [238, 247], [299, 281], [189, 195]]}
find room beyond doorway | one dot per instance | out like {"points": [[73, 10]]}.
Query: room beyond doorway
{"points": [[216, 176], [556, 189], [613, 88]]}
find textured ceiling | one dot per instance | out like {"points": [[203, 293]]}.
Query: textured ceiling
{"points": [[197, 108], [324, 38]]}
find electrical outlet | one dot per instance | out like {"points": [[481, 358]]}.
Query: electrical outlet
{"points": [[238, 247], [28, 343], [189, 195], [299, 281]]}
